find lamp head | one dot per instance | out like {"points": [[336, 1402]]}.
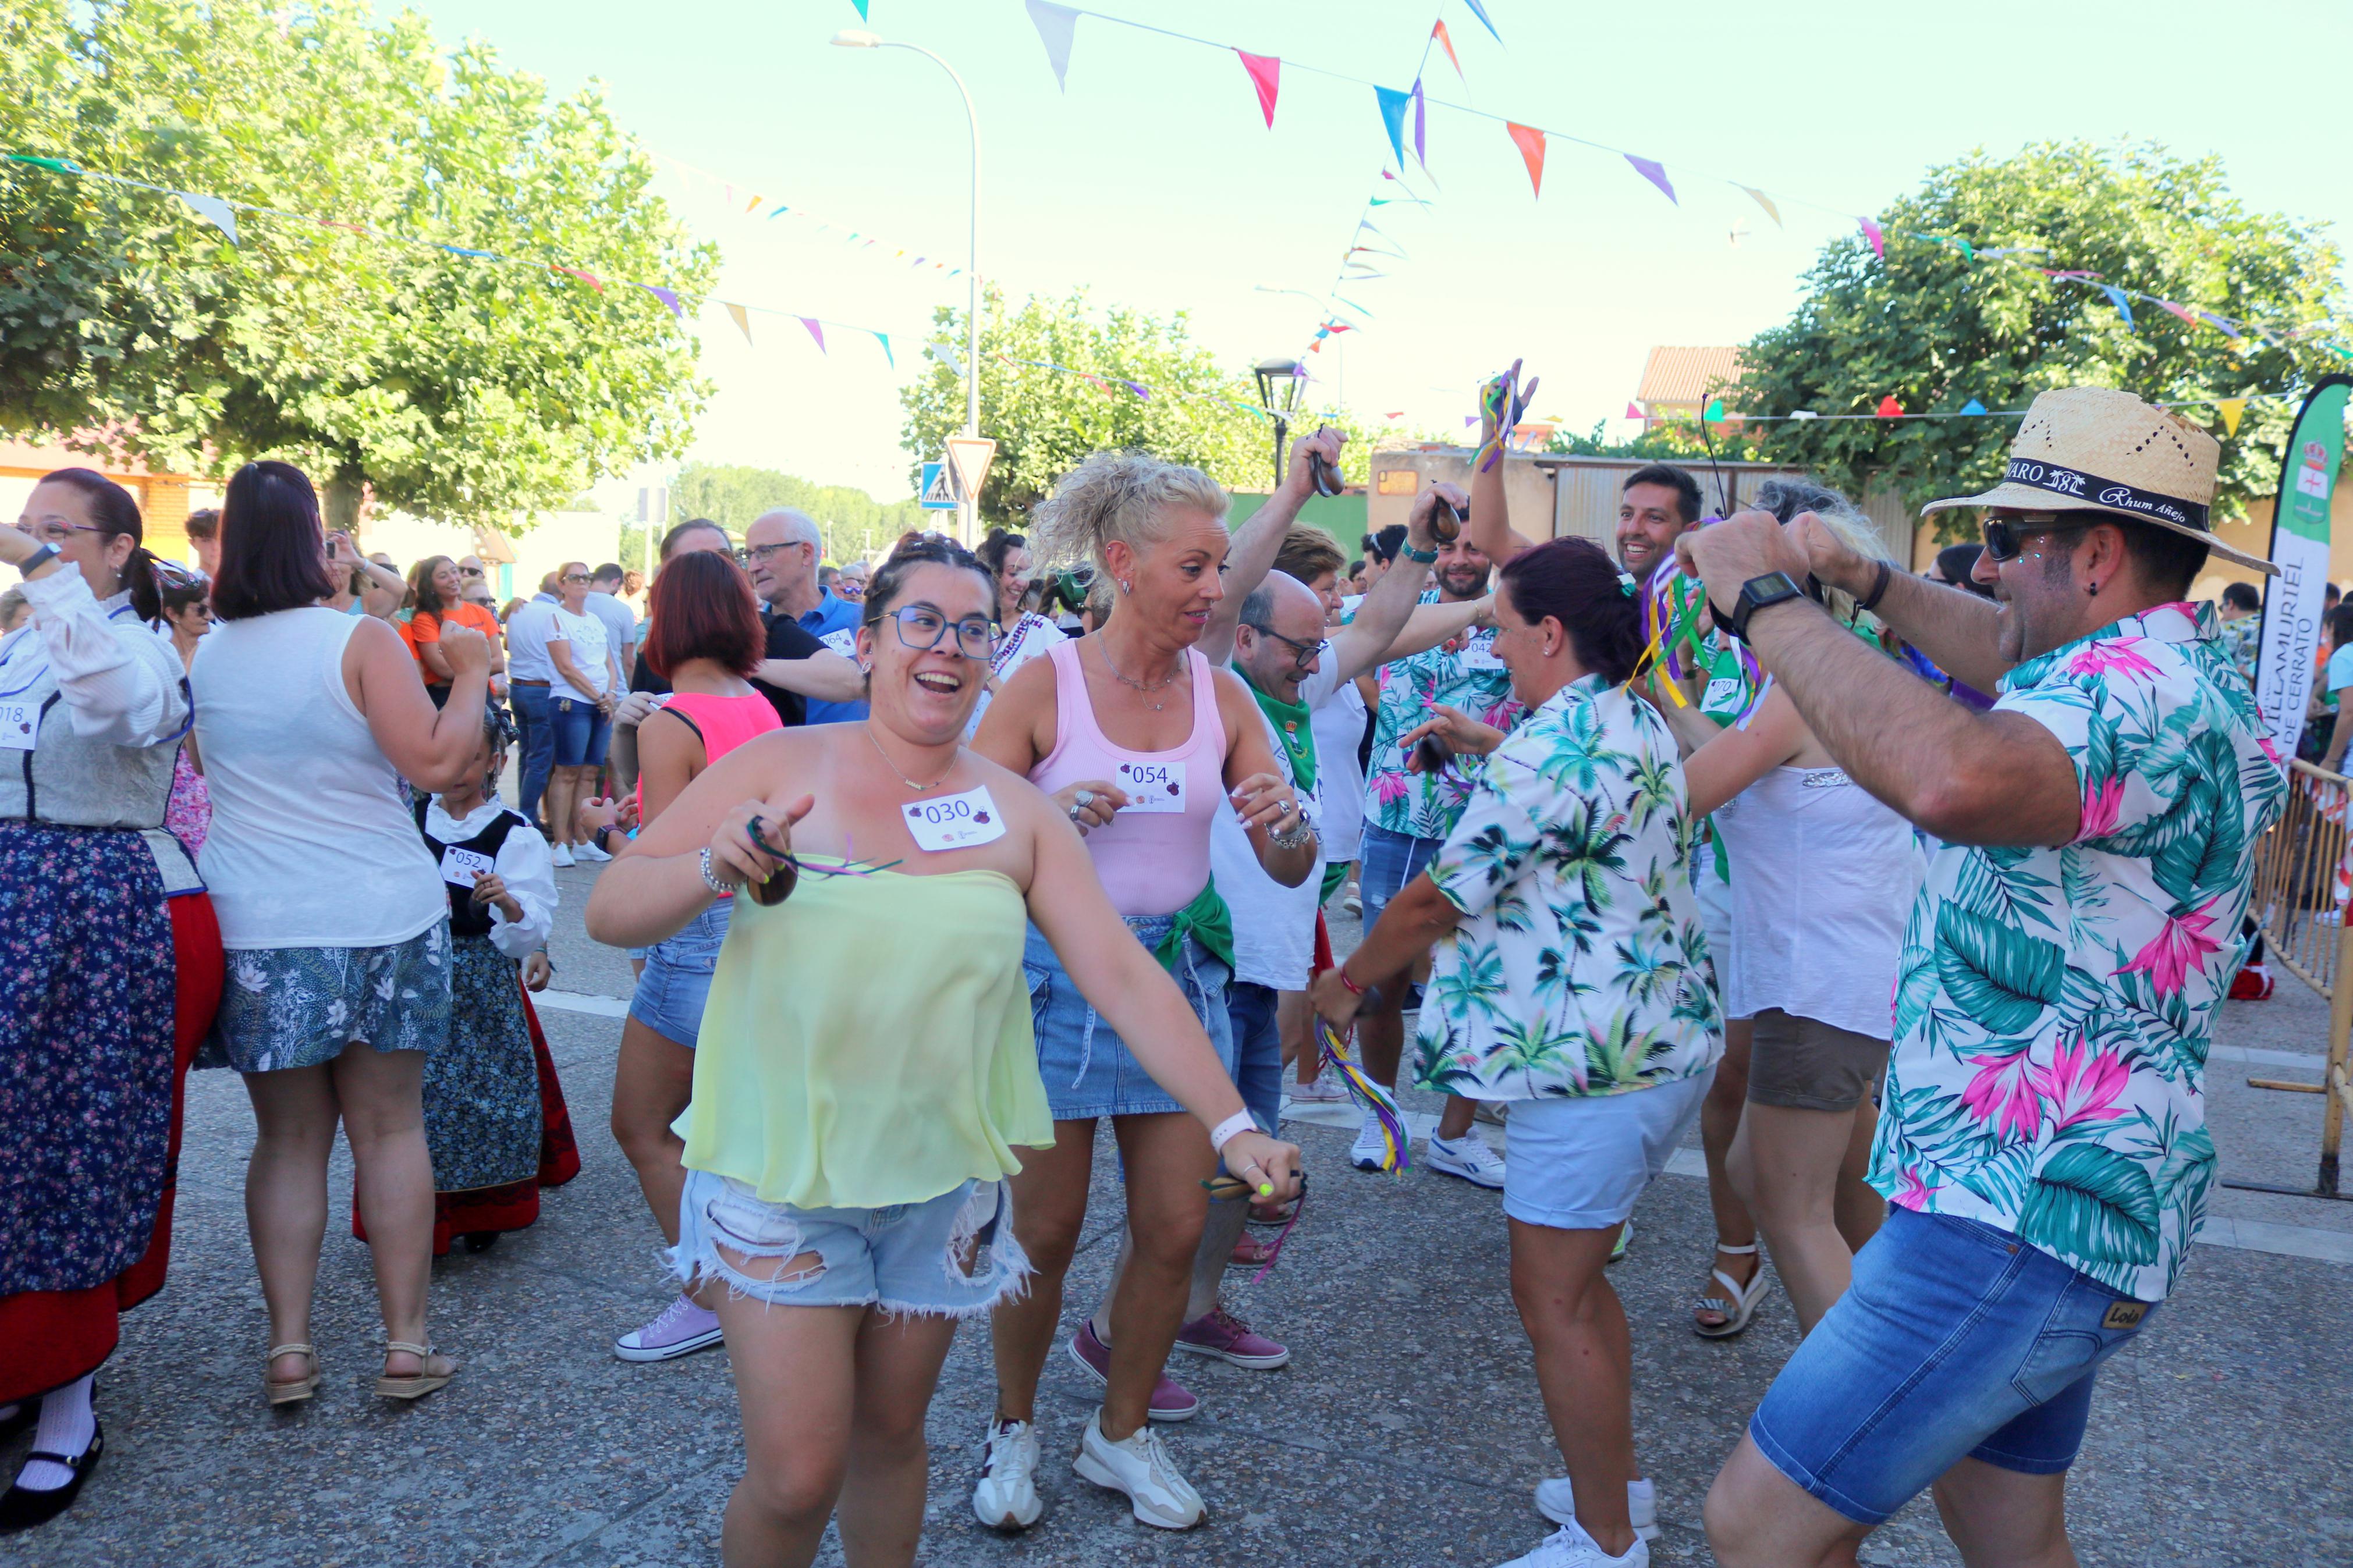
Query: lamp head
{"points": [[856, 39], [1279, 378]]}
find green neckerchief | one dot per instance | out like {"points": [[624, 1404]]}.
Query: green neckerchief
{"points": [[1291, 722], [1206, 918], [1334, 875]]}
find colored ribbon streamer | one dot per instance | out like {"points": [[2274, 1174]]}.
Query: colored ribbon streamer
{"points": [[1397, 1143]]}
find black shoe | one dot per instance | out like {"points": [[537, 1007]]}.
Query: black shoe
{"points": [[480, 1240], [28, 1413], [23, 1507]]}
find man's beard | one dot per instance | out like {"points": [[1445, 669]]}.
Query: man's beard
{"points": [[1476, 583]]}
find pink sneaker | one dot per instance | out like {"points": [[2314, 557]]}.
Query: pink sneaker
{"points": [[1221, 1334], [682, 1328], [1171, 1401]]}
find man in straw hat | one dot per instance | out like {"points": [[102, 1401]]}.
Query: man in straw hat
{"points": [[2042, 1140]]}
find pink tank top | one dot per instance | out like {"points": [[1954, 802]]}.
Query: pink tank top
{"points": [[1152, 862], [724, 722]]}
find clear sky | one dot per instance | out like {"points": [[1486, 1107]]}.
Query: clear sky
{"points": [[1154, 182]]}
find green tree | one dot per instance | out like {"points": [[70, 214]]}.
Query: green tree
{"points": [[452, 386], [853, 522], [1046, 421], [1941, 319]]}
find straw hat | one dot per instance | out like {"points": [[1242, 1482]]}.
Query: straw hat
{"points": [[2093, 449]]}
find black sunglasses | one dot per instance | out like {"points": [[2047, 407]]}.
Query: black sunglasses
{"points": [[469, 571], [2005, 540]]}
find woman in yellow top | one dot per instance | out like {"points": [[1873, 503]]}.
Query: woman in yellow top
{"points": [[851, 1129]]}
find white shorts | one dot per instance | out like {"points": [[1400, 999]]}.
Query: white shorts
{"points": [[1581, 1163], [1714, 896]]}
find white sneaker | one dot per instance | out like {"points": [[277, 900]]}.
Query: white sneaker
{"points": [[1571, 1547], [1467, 1157], [1557, 1502], [562, 854], [1319, 1090], [1365, 1153], [1141, 1468], [1006, 1497], [587, 850]]}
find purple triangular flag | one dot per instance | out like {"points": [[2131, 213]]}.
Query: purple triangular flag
{"points": [[1654, 172], [1421, 124], [668, 297], [816, 329]]}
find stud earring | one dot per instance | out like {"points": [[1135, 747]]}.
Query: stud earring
{"points": [[1125, 586]]}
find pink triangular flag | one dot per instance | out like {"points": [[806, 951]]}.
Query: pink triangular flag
{"points": [[1889, 408], [2180, 311], [816, 329], [1634, 411], [1877, 236], [1266, 75], [1531, 144], [1654, 172]]}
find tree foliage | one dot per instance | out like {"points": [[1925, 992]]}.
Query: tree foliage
{"points": [[451, 386], [853, 522], [1045, 421], [1939, 322]]}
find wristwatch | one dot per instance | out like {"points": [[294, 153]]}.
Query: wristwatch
{"points": [[1756, 594], [48, 553]]}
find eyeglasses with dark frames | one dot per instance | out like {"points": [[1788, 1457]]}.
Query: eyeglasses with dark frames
{"points": [[758, 554], [578, 577], [923, 628], [1303, 654]]}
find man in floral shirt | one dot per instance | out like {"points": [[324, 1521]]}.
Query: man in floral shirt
{"points": [[1408, 816], [2042, 1134]]}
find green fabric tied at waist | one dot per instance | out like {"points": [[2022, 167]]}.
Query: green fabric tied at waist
{"points": [[1206, 918], [1333, 876]]}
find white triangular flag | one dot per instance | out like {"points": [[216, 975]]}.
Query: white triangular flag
{"points": [[212, 210], [1055, 25]]}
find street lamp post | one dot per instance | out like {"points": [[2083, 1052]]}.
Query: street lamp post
{"points": [[967, 506], [1279, 381]]}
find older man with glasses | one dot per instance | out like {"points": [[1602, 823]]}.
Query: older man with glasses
{"points": [[780, 550]]}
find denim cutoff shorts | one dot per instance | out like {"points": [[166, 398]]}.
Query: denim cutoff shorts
{"points": [[949, 1257], [1956, 1340], [1389, 861], [677, 980], [1088, 1069]]}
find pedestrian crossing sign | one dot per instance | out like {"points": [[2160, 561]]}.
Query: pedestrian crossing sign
{"points": [[939, 488]]}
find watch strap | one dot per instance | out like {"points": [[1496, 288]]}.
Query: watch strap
{"points": [[1424, 557], [48, 553], [1878, 587]]}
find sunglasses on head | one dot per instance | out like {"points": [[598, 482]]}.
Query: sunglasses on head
{"points": [[2005, 537]]}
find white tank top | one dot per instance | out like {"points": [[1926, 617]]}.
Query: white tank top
{"points": [[1823, 877], [309, 844]]}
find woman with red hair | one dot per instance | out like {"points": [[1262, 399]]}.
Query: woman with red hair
{"points": [[705, 638]]}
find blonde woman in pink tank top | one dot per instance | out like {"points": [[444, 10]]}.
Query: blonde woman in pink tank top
{"points": [[705, 638], [1140, 742]]}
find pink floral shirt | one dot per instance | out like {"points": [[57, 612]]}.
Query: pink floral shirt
{"points": [[2054, 1007]]}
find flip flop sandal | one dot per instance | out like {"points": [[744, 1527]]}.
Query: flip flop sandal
{"points": [[292, 1390], [416, 1384], [1737, 1303]]}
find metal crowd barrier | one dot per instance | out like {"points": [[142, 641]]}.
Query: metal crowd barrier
{"points": [[2303, 899]]}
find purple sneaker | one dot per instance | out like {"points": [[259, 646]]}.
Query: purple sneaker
{"points": [[1221, 1334], [682, 1328], [1171, 1401]]}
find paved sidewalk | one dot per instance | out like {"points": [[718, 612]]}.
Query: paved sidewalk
{"points": [[1406, 1430]]}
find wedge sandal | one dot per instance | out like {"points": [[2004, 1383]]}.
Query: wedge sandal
{"points": [[291, 1390], [1735, 1304], [416, 1384]]}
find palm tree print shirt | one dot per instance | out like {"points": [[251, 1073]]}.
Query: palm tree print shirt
{"points": [[2053, 1007], [1462, 672], [1580, 966]]}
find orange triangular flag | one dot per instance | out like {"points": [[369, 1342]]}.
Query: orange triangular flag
{"points": [[742, 318], [1889, 408], [1438, 31], [1767, 202], [1531, 144]]}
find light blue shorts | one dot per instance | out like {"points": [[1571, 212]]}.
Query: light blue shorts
{"points": [[1088, 1069], [1581, 1163], [949, 1257], [677, 979]]}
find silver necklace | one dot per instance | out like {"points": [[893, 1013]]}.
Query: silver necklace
{"points": [[919, 788], [1138, 685]]}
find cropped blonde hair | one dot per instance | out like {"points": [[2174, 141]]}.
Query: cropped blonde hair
{"points": [[1785, 499], [1116, 495]]}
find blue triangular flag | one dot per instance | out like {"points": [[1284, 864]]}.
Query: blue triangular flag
{"points": [[1476, 10], [2117, 297], [862, 10], [1973, 407], [1393, 107]]}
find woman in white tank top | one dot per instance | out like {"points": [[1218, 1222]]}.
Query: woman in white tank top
{"points": [[332, 912], [1823, 876]]}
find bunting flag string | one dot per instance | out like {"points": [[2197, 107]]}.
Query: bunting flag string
{"points": [[221, 213], [690, 174]]}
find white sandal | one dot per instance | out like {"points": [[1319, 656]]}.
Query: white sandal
{"points": [[1737, 1304]]}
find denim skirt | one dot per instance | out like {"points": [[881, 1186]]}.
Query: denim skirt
{"points": [[1088, 1069]]}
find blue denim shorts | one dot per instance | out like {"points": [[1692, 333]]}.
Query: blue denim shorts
{"points": [[1390, 862], [581, 730], [677, 979], [1258, 1050], [949, 1257], [1956, 1340], [1088, 1069]]}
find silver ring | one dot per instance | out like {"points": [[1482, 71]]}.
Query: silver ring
{"points": [[1074, 813]]}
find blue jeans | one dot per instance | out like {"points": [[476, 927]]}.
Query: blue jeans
{"points": [[581, 729], [1389, 861], [1956, 1340], [1258, 1050], [538, 743]]}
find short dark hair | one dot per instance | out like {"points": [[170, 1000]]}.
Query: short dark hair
{"points": [[914, 550], [2167, 562], [1574, 581], [2329, 592], [1000, 543], [1355, 566], [703, 608], [1686, 488], [670, 540], [184, 591], [273, 555], [1384, 546], [1959, 563], [2241, 597], [204, 522], [2340, 630], [610, 569], [116, 512]]}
